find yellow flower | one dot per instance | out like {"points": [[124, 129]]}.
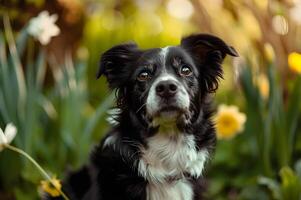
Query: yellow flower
{"points": [[48, 187], [269, 52], [263, 85], [229, 121], [294, 62], [262, 4]]}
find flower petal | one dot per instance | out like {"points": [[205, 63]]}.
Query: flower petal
{"points": [[54, 31], [294, 62], [53, 18], [43, 14], [10, 132], [50, 189], [44, 39]]}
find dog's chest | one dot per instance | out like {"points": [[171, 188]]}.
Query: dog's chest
{"points": [[180, 190], [168, 158]]}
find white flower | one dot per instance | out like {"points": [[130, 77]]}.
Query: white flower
{"points": [[43, 27], [295, 12], [182, 9], [280, 24], [8, 135]]}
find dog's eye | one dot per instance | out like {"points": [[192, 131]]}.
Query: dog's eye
{"points": [[143, 76], [185, 71]]}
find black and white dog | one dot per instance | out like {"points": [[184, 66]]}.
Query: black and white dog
{"points": [[163, 133]]}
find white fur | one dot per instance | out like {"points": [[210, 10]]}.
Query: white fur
{"points": [[164, 51], [110, 141], [170, 155], [153, 101], [180, 190], [113, 114]]}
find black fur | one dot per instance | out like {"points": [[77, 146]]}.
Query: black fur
{"points": [[112, 173]]}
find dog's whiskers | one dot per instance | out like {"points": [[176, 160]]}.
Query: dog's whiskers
{"points": [[141, 107]]}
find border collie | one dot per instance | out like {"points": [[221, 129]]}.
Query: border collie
{"points": [[163, 134]]}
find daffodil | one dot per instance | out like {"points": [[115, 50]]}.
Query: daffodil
{"points": [[294, 62], [269, 52], [295, 12], [8, 135], [229, 121], [263, 85], [52, 187], [43, 27]]}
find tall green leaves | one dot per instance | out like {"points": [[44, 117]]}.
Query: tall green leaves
{"points": [[258, 121], [289, 186], [54, 122], [275, 121]]}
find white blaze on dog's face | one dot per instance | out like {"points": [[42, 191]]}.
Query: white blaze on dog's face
{"points": [[167, 97], [171, 84]]}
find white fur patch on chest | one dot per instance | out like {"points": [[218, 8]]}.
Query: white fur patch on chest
{"points": [[180, 190], [169, 156]]}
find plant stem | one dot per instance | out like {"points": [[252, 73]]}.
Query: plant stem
{"points": [[43, 172]]}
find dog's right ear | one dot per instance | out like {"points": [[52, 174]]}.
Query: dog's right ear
{"points": [[116, 63]]}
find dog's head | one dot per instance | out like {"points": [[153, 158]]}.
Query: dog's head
{"points": [[165, 84]]}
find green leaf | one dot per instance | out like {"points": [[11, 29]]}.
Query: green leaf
{"points": [[272, 185], [21, 41], [3, 55], [3, 109], [16, 60], [293, 111], [257, 121], [298, 168], [100, 111], [47, 106], [276, 112], [40, 66], [290, 184]]}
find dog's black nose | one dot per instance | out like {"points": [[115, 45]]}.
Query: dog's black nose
{"points": [[166, 89]]}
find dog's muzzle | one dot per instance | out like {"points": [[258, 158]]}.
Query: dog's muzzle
{"points": [[166, 89], [167, 97]]}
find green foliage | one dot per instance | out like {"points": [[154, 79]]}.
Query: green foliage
{"points": [[273, 121], [110, 26], [289, 186], [59, 108], [268, 145], [54, 122]]}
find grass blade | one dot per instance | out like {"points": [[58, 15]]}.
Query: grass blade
{"points": [[16, 62]]}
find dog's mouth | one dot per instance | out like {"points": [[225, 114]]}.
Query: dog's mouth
{"points": [[171, 108], [169, 111], [169, 116]]}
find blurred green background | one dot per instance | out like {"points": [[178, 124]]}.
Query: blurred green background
{"points": [[51, 94]]}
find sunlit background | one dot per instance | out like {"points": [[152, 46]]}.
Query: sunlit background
{"points": [[49, 53]]}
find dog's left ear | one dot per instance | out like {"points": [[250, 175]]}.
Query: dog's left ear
{"points": [[116, 63], [208, 53], [202, 44]]}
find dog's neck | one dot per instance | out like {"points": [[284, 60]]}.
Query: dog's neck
{"points": [[166, 125]]}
